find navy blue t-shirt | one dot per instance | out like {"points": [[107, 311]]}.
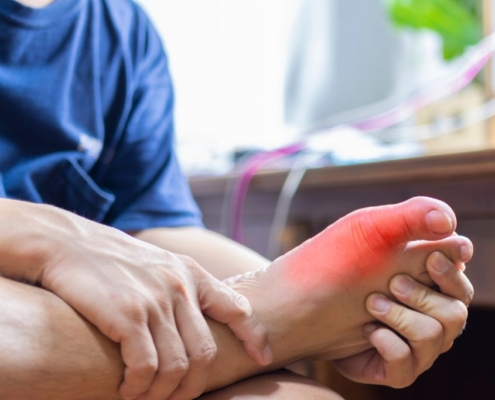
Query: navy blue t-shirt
{"points": [[86, 114]]}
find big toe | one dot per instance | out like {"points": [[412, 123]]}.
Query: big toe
{"points": [[420, 218]]}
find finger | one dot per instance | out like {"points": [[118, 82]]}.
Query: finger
{"points": [[449, 312], [365, 367], [451, 280], [200, 347], [225, 305], [141, 360], [396, 366], [457, 249], [423, 333], [390, 363], [173, 363]]}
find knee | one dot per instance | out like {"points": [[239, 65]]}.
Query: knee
{"points": [[277, 385]]}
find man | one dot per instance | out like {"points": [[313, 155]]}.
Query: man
{"points": [[86, 125]]}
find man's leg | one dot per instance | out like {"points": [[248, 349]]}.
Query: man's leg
{"points": [[48, 352], [281, 385]]}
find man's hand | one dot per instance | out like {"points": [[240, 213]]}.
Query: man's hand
{"points": [[151, 302], [430, 325]]}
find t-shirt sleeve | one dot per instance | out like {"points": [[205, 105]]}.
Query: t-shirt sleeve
{"points": [[150, 189]]}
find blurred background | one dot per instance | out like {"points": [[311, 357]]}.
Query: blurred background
{"points": [[259, 74]]}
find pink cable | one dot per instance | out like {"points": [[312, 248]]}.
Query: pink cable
{"points": [[252, 166], [403, 111]]}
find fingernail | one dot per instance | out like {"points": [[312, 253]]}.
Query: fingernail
{"points": [[466, 253], [380, 304], [440, 263], [439, 222], [370, 328], [244, 303], [268, 355], [402, 284]]}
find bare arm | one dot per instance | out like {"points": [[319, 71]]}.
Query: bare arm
{"points": [[221, 257]]}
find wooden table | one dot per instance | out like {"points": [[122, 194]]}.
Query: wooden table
{"points": [[466, 181]]}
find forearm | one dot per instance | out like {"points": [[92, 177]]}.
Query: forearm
{"points": [[221, 257]]}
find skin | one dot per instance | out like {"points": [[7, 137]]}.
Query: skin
{"points": [[69, 359], [36, 3], [221, 257], [133, 292], [276, 385]]}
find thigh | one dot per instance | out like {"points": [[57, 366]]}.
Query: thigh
{"points": [[280, 385]]}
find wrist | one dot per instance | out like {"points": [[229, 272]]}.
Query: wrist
{"points": [[28, 233]]}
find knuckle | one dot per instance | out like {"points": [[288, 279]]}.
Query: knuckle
{"points": [[136, 311], [177, 368], [190, 263], [399, 319], [459, 313], [205, 355], [165, 305], [187, 274], [146, 367], [178, 288], [433, 332], [422, 299]]}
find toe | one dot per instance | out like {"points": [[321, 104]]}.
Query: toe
{"points": [[420, 218]]}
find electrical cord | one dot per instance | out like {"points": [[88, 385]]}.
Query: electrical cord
{"points": [[442, 127], [302, 163]]}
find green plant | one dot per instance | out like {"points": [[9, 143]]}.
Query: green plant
{"points": [[457, 22]]}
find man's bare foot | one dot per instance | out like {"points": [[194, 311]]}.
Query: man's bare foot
{"points": [[323, 284]]}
